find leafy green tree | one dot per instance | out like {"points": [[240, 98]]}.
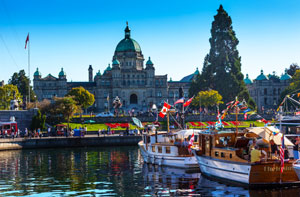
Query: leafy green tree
{"points": [[65, 107], [38, 121], [21, 81], [7, 93], [82, 97], [222, 66], [294, 86], [207, 98]]}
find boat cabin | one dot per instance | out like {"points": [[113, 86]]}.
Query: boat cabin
{"points": [[164, 143]]}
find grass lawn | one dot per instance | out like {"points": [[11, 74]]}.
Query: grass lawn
{"points": [[95, 127]]}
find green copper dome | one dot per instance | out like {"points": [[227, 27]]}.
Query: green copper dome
{"points": [[116, 62], [98, 73], [149, 62], [286, 76], [62, 73], [37, 72], [247, 80], [128, 44], [108, 68], [197, 72], [261, 76]]}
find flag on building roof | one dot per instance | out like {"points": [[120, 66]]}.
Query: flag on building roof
{"points": [[164, 110], [188, 102], [181, 100]]}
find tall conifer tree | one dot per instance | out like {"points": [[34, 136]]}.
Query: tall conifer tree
{"points": [[222, 66]]}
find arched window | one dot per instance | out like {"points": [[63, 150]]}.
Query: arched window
{"points": [[133, 99]]}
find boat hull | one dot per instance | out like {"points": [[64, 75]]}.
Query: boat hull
{"points": [[165, 160], [297, 169], [225, 170], [262, 174]]}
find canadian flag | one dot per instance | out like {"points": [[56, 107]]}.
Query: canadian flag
{"points": [[164, 110], [245, 116], [191, 142]]}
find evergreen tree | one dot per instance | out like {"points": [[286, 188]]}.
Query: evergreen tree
{"points": [[222, 66], [21, 81]]}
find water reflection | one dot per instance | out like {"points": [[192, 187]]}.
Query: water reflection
{"points": [[116, 171], [161, 180]]}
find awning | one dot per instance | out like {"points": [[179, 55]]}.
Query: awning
{"points": [[269, 133]]}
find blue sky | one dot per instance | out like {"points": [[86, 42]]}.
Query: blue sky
{"points": [[75, 34]]}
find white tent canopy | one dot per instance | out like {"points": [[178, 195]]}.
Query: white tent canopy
{"points": [[268, 134]]}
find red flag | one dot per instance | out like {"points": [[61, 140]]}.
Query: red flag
{"points": [[188, 102], [191, 142], [179, 101], [27, 40], [245, 116], [282, 154], [164, 110]]}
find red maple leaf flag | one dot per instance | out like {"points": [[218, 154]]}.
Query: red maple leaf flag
{"points": [[164, 110], [191, 142], [188, 102], [27, 39]]}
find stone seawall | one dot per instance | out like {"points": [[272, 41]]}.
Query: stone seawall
{"points": [[63, 142]]}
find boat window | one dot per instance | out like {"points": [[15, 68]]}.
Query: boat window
{"points": [[230, 155], [217, 154], [168, 151], [153, 149], [159, 149], [222, 154]]}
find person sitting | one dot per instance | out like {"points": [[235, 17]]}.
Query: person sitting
{"points": [[251, 145], [256, 155], [274, 149]]}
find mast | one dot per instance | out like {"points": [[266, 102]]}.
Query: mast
{"points": [[236, 120], [28, 71], [168, 122]]}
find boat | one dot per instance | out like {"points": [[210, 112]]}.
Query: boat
{"points": [[297, 167], [169, 148], [225, 155]]}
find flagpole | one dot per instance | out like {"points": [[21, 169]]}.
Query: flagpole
{"points": [[28, 70]]}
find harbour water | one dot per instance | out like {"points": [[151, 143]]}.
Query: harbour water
{"points": [[106, 171]]}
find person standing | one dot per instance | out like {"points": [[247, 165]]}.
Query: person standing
{"points": [[296, 148], [49, 131]]}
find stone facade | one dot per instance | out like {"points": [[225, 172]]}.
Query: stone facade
{"points": [[135, 84], [266, 90]]}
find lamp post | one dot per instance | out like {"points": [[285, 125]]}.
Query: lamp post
{"points": [[35, 101]]}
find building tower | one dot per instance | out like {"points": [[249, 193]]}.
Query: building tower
{"points": [[90, 73]]}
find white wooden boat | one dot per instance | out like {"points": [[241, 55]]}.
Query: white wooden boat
{"points": [[168, 149], [297, 167], [230, 160]]}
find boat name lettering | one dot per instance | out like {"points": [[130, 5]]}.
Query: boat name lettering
{"points": [[273, 169]]}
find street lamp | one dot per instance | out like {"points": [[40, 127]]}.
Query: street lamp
{"points": [[35, 101]]}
